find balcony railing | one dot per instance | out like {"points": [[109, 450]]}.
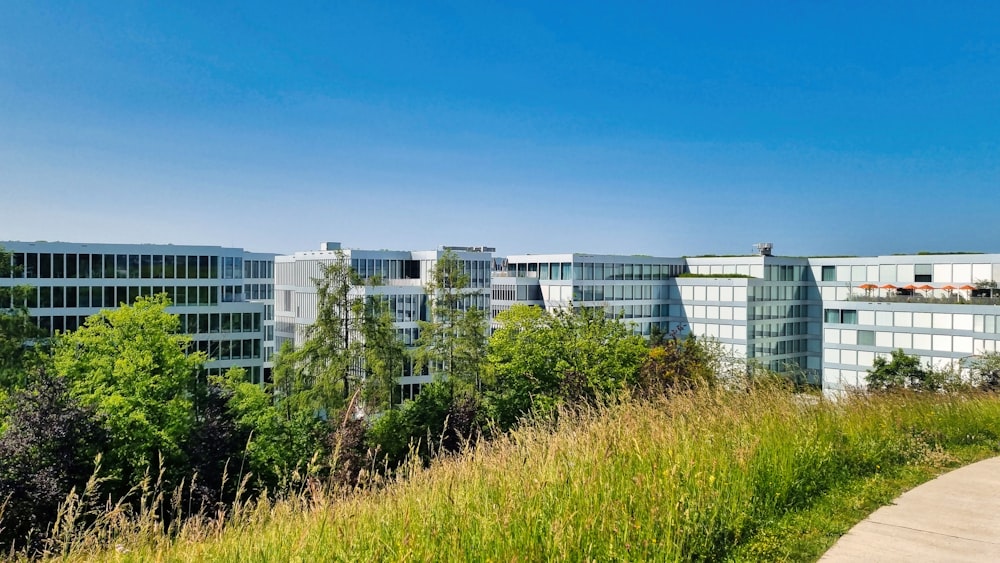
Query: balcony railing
{"points": [[915, 298]]}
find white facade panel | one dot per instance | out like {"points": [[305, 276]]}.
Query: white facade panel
{"points": [[902, 340], [922, 342], [902, 319], [740, 294], [962, 344], [941, 343], [962, 321], [849, 357], [904, 273], [922, 320], [866, 317], [883, 318], [962, 273], [883, 339], [849, 336], [942, 321], [942, 273], [982, 272], [831, 336]]}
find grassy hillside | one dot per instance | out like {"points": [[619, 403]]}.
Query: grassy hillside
{"points": [[709, 476]]}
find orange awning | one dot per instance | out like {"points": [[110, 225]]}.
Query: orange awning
{"points": [[889, 286]]}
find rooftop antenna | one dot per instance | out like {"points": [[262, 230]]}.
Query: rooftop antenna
{"points": [[764, 248]]}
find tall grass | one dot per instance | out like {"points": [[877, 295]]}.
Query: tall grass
{"points": [[690, 478]]}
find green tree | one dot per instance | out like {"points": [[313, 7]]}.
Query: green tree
{"points": [[19, 353], [281, 437], [674, 362], [539, 360], [384, 356], [324, 370], [452, 343], [900, 371], [352, 344], [985, 371], [131, 367]]}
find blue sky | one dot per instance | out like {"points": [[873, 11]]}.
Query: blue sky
{"points": [[636, 128]]}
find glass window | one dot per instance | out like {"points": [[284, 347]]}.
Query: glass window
{"points": [[96, 266], [213, 271], [566, 270], [45, 297], [31, 265], [96, 297], [831, 315], [58, 270], [829, 273], [157, 266], [72, 263], [849, 317], [544, 272], [45, 265], [866, 337]]}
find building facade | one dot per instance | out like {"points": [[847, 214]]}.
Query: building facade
{"points": [[223, 296], [821, 320]]}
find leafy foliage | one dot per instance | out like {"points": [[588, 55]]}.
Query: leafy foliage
{"points": [[19, 354], [677, 363], [129, 365], [539, 360], [48, 446], [452, 344], [899, 372], [985, 370]]}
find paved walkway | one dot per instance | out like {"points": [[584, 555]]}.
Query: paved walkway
{"points": [[955, 517]]}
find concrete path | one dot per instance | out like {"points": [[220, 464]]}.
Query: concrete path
{"points": [[955, 517]]}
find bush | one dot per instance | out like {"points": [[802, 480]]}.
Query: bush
{"points": [[48, 447]]}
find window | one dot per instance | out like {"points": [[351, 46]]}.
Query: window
{"points": [[849, 317], [831, 315], [922, 273], [866, 337], [829, 273]]}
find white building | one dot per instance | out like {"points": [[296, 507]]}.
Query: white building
{"points": [[402, 276], [820, 319], [224, 296]]}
